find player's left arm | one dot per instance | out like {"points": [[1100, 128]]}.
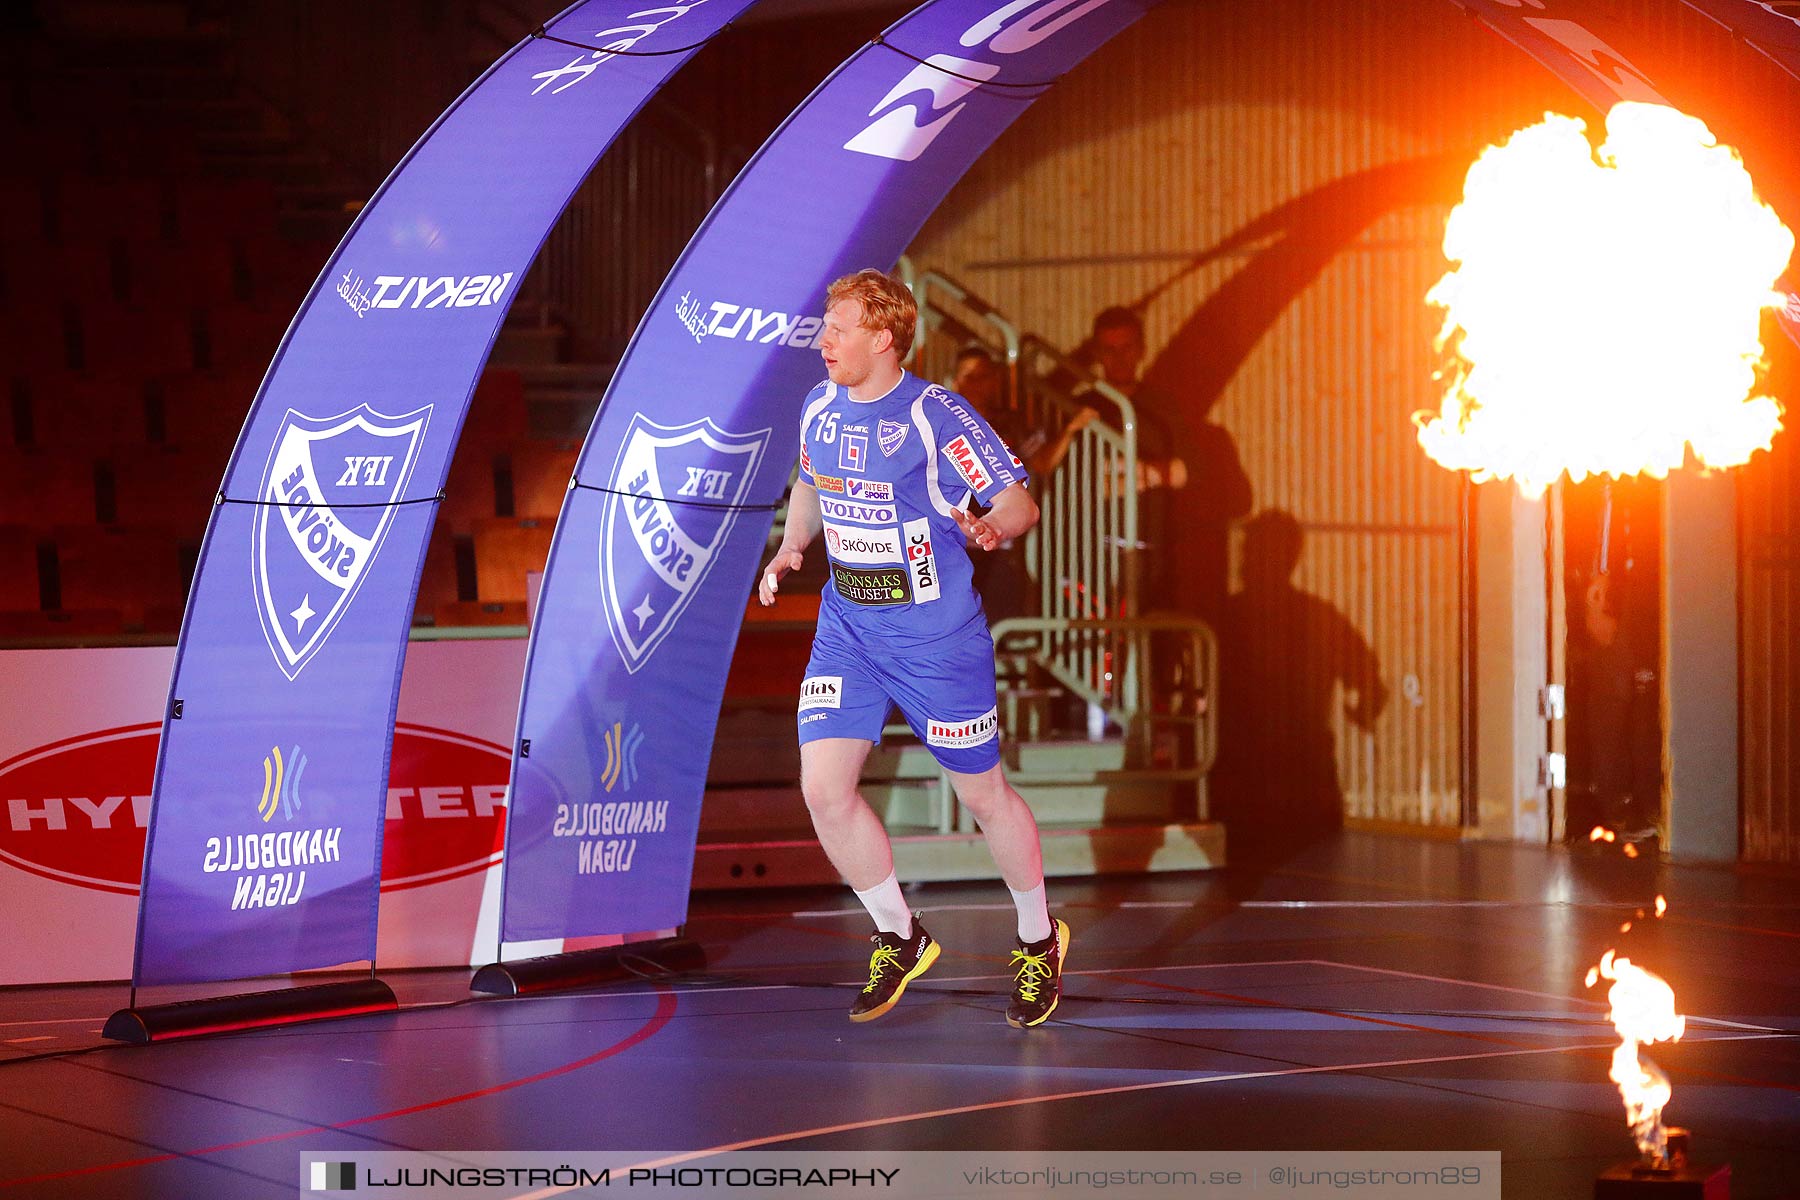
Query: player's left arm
{"points": [[1012, 513]]}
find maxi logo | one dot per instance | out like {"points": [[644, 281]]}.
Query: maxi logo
{"points": [[903, 131], [862, 545], [957, 735], [870, 588], [891, 434], [745, 323], [856, 511], [654, 555], [423, 291], [306, 580], [921, 564], [821, 691], [962, 456], [638, 26]]}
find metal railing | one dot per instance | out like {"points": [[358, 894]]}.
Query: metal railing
{"points": [[1084, 551], [1158, 681]]}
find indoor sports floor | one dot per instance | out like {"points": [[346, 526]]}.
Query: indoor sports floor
{"points": [[1372, 993]]}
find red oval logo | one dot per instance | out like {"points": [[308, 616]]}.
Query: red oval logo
{"points": [[77, 810]]}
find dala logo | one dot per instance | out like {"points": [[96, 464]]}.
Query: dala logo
{"points": [[654, 555], [921, 562], [310, 556], [76, 811]]}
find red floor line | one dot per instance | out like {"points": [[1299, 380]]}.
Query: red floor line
{"points": [[665, 1012]]}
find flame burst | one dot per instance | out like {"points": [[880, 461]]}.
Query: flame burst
{"points": [[1643, 1011], [1606, 308]]}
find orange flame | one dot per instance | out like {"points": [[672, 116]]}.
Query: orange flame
{"points": [[1605, 309], [1643, 1011]]}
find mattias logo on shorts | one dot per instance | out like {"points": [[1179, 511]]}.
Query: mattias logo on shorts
{"points": [[329, 489], [655, 554], [821, 691], [957, 735], [962, 456]]}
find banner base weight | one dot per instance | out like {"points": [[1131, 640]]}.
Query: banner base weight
{"points": [[248, 1010], [585, 968]]}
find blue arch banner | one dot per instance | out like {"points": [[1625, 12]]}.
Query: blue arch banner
{"points": [[656, 547], [271, 784]]}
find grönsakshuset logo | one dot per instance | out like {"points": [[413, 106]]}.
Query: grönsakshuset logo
{"points": [[76, 810]]}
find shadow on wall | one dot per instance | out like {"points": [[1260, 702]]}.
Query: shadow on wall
{"points": [[1283, 655], [1289, 246]]}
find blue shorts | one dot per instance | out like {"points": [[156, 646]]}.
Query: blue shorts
{"points": [[946, 694]]}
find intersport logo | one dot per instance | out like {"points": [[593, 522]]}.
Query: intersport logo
{"points": [[77, 810], [902, 132]]}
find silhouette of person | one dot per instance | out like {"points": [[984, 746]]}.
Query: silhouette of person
{"points": [[1000, 576], [1283, 654], [1187, 528]]}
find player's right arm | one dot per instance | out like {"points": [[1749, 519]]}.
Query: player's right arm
{"points": [[803, 525]]}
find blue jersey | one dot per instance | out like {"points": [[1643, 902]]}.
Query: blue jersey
{"points": [[888, 472]]}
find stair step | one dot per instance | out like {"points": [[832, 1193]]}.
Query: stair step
{"points": [[733, 811], [921, 855]]}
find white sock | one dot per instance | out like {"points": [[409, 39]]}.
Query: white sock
{"points": [[1034, 913], [888, 907]]}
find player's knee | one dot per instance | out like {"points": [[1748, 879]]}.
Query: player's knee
{"points": [[827, 800], [984, 798]]}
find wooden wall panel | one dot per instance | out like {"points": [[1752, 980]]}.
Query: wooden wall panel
{"points": [[1278, 185]]}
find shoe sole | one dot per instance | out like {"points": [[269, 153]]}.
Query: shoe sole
{"points": [[1063, 940], [925, 961]]}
